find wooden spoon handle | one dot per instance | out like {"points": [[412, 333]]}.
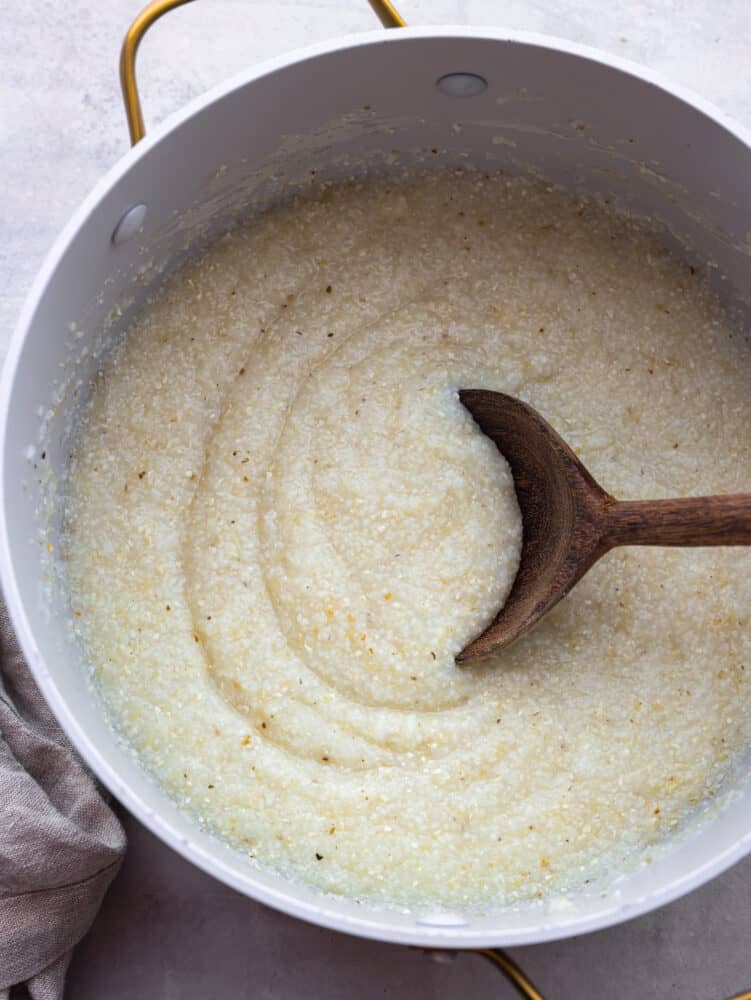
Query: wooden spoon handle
{"points": [[719, 520]]}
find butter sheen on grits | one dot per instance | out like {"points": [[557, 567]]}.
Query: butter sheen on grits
{"points": [[281, 526]]}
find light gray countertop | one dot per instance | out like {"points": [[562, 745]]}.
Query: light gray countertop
{"points": [[167, 930]]}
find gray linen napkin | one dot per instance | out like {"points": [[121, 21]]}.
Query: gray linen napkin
{"points": [[60, 843]]}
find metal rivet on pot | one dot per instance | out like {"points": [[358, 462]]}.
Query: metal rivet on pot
{"points": [[129, 225], [462, 84], [442, 920]]}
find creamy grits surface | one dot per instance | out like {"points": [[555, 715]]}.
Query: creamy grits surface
{"points": [[281, 526]]}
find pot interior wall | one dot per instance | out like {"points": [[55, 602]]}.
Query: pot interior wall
{"points": [[371, 104]]}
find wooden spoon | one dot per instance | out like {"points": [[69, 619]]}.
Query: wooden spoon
{"points": [[569, 521]]}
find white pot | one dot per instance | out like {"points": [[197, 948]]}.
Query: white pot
{"points": [[582, 119]]}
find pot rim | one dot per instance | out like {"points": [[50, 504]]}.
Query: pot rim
{"points": [[323, 912]]}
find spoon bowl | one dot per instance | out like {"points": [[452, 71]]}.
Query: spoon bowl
{"points": [[569, 521]]}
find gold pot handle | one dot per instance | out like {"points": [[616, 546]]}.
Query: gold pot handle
{"points": [[508, 967], [389, 17]]}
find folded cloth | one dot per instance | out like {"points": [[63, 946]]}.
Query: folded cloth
{"points": [[60, 843]]}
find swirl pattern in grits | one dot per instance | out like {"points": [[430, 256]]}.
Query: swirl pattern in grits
{"points": [[282, 526]]}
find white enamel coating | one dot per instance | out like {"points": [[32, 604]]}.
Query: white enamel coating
{"points": [[585, 120]]}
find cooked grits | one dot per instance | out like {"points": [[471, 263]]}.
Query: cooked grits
{"points": [[282, 526]]}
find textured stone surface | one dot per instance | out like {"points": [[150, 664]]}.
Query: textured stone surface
{"points": [[167, 930]]}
